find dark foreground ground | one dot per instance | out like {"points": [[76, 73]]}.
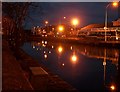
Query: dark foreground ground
{"points": [[20, 72]]}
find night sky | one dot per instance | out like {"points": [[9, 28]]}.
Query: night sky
{"points": [[86, 12]]}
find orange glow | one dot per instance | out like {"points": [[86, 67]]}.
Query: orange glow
{"points": [[112, 87], [60, 28], [75, 22], [115, 4], [60, 49], [74, 59]]}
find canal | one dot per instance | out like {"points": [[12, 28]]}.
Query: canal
{"points": [[82, 66]]}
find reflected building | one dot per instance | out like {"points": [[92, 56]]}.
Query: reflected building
{"points": [[99, 53]]}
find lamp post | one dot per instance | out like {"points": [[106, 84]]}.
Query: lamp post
{"points": [[106, 15]]}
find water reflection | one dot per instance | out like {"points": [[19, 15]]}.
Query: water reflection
{"points": [[60, 49], [74, 58], [95, 68]]}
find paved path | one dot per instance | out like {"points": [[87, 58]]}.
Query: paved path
{"points": [[13, 77]]}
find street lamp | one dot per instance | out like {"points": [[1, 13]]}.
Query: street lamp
{"points": [[106, 15], [60, 28], [75, 22]]}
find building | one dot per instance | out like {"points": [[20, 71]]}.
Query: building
{"points": [[116, 23], [97, 31]]}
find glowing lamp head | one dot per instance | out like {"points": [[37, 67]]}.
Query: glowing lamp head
{"points": [[115, 4], [75, 22], [60, 28], [112, 87]]}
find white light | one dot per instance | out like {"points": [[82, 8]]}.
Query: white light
{"points": [[49, 51], [71, 47], [45, 42], [42, 41], [116, 38], [104, 63], [33, 47], [52, 46], [45, 56]]}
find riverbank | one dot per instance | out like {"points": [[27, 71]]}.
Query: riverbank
{"points": [[13, 77], [22, 72], [79, 41]]}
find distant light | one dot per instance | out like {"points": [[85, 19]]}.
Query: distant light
{"points": [[46, 22], [45, 56], [52, 46], [63, 64], [71, 47], [44, 51], [45, 42], [33, 47], [104, 63], [37, 49], [57, 33], [112, 87], [71, 28], [43, 45], [52, 28], [42, 41], [64, 17], [116, 37], [38, 43], [49, 51]]}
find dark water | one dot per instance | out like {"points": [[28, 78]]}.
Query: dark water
{"points": [[84, 67]]}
